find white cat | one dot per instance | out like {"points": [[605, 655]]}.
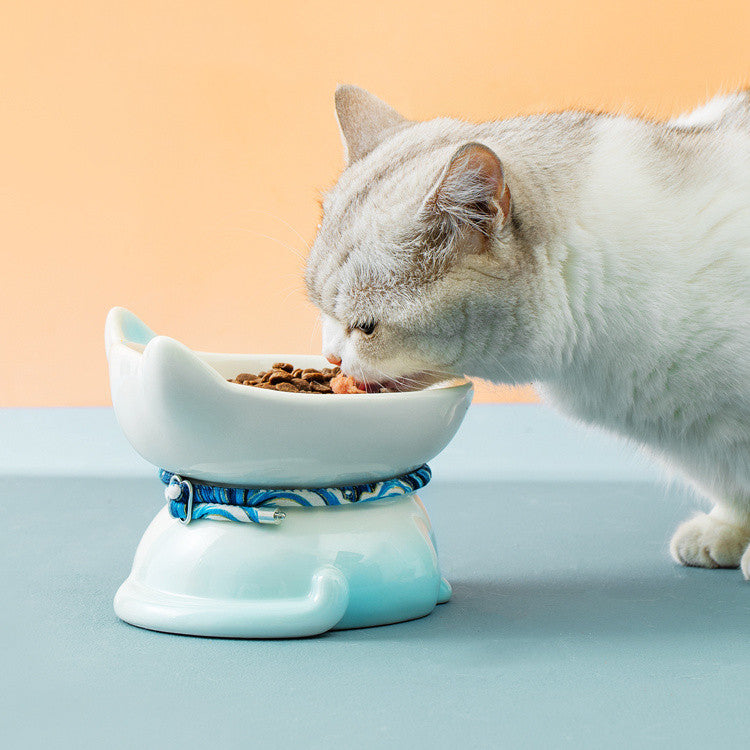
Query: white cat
{"points": [[605, 258]]}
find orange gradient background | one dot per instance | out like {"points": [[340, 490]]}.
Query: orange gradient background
{"points": [[153, 154]]}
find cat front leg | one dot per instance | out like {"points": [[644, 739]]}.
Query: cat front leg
{"points": [[745, 564], [713, 540]]}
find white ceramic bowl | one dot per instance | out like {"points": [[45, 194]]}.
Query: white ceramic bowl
{"points": [[178, 411]]}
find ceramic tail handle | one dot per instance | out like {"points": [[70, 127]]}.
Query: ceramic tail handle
{"points": [[320, 610]]}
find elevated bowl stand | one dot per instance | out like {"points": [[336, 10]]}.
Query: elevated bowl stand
{"points": [[323, 568]]}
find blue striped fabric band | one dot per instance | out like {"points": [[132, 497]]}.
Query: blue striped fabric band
{"points": [[243, 503]]}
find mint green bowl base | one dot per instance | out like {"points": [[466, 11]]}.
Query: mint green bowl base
{"points": [[325, 568]]}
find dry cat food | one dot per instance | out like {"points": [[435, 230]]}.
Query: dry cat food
{"points": [[286, 377]]}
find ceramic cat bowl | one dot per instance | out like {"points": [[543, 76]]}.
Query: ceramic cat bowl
{"points": [[311, 568], [178, 411]]}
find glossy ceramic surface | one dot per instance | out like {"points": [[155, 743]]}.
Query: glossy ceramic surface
{"points": [[321, 569], [180, 413]]}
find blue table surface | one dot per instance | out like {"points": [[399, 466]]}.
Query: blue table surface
{"points": [[570, 627]]}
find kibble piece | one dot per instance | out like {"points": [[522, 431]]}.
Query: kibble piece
{"points": [[283, 366], [280, 376], [286, 387]]}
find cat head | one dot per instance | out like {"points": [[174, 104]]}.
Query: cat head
{"points": [[420, 266]]}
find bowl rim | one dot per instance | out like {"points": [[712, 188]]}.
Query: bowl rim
{"points": [[455, 384]]}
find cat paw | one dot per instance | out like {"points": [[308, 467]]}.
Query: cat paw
{"points": [[706, 542], [745, 564]]}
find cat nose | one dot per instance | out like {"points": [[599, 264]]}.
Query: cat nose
{"points": [[333, 359]]}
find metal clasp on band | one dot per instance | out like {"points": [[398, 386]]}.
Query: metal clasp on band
{"points": [[173, 491], [270, 515]]}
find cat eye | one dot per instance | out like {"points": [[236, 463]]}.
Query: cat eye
{"points": [[367, 327]]}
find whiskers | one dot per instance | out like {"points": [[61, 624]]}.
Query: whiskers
{"points": [[383, 379], [284, 222], [508, 381], [316, 328], [294, 290], [295, 251], [290, 248]]}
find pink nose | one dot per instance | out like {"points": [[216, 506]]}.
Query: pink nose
{"points": [[333, 359]]}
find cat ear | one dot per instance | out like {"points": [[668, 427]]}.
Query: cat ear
{"points": [[471, 191], [364, 121]]}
